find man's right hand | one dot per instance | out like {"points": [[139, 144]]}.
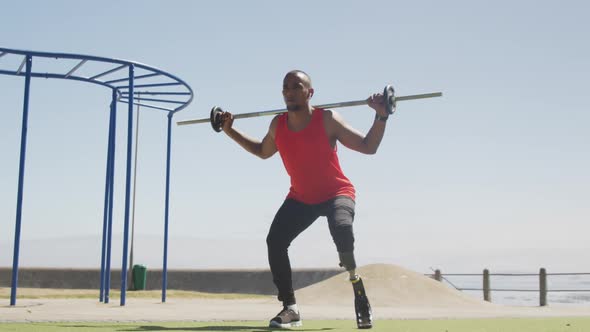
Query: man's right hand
{"points": [[227, 120]]}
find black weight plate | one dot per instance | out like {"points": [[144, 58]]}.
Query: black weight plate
{"points": [[389, 94], [215, 118]]}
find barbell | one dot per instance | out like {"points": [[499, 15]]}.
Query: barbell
{"points": [[389, 93]]}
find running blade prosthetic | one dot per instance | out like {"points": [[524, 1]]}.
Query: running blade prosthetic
{"points": [[364, 317]]}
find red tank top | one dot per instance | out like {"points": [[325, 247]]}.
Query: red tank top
{"points": [[311, 162]]}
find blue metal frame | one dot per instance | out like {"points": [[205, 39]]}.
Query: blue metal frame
{"points": [[165, 263], [105, 226], [106, 276], [169, 89], [127, 188], [21, 178]]}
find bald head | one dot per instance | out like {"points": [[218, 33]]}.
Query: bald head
{"points": [[305, 79]]}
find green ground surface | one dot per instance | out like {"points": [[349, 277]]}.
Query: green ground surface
{"points": [[566, 324]]}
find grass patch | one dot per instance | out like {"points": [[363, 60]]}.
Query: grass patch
{"points": [[561, 324]]}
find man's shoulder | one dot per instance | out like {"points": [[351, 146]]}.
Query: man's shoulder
{"points": [[326, 113], [330, 115], [274, 123]]}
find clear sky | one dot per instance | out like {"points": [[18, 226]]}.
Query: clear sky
{"points": [[495, 174]]}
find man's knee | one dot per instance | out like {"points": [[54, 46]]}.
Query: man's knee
{"points": [[276, 242], [347, 260]]}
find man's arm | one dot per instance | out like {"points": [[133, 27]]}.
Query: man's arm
{"points": [[355, 140], [263, 149]]}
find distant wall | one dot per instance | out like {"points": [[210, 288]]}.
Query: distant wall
{"points": [[211, 281]]}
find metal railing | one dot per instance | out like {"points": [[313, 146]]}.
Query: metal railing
{"points": [[486, 288]]}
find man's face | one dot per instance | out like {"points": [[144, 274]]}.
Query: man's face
{"points": [[296, 92]]}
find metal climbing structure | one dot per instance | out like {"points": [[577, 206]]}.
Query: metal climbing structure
{"points": [[157, 90]]}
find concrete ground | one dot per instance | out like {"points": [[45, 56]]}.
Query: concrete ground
{"points": [[395, 293]]}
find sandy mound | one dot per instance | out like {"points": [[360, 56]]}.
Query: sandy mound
{"points": [[388, 285]]}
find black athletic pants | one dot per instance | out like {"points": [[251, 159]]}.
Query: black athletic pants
{"points": [[294, 217]]}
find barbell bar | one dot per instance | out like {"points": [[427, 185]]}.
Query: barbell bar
{"points": [[391, 101]]}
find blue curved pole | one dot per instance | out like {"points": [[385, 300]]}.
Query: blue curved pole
{"points": [[93, 79], [21, 179], [153, 72], [165, 264], [106, 206], [111, 192], [127, 189]]}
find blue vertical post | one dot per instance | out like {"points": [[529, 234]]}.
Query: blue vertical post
{"points": [[166, 211], [111, 193], [127, 185], [106, 207], [21, 178]]}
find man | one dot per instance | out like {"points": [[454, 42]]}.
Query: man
{"points": [[306, 138]]}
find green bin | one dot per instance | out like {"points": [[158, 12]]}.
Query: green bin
{"points": [[139, 277]]}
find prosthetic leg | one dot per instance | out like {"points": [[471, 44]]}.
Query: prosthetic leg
{"points": [[362, 308]]}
